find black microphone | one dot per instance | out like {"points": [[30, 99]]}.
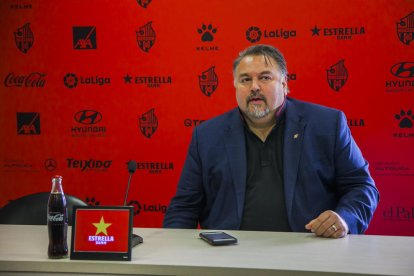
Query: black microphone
{"points": [[132, 167]]}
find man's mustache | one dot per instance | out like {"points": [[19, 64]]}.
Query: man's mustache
{"points": [[255, 96]]}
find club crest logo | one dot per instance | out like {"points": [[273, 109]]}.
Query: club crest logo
{"points": [[28, 123], [148, 123], [208, 81], [405, 29], [24, 38], [84, 38], [253, 34], [144, 3], [337, 75], [146, 37]]}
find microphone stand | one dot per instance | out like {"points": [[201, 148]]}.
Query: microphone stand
{"points": [[132, 166]]}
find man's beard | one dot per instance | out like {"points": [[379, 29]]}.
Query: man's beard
{"points": [[258, 113]]}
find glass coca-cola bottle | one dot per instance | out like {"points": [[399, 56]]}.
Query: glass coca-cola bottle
{"points": [[57, 220]]}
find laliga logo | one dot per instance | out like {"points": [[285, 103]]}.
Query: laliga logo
{"points": [[253, 34], [101, 227]]}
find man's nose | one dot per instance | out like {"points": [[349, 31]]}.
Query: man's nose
{"points": [[255, 87]]}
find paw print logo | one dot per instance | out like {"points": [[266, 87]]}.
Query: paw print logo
{"points": [[253, 34], [137, 206], [207, 32], [92, 202], [405, 118]]}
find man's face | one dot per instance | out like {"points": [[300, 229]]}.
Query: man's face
{"points": [[260, 87]]}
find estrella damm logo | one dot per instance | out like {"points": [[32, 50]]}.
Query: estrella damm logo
{"points": [[146, 37], [337, 75], [84, 38], [148, 123], [208, 81], [405, 29], [24, 38]]}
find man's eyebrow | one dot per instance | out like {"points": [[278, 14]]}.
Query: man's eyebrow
{"points": [[243, 75], [261, 73]]}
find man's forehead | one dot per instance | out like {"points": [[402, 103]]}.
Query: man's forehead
{"points": [[266, 61]]}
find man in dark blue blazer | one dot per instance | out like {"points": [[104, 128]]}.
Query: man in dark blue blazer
{"points": [[274, 163]]}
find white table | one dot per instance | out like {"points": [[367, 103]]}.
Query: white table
{"points": [[23, 250]]}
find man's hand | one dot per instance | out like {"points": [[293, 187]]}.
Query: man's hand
{"points": [[328, 224]]}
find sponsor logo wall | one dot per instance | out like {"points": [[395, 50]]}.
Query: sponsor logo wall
{"points": [[110, 82]]}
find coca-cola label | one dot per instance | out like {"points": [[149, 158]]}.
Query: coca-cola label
{"points": [[34, 79], [55, 217]]}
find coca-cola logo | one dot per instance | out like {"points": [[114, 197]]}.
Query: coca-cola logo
{"points": [[55, 218], [34, 79]]}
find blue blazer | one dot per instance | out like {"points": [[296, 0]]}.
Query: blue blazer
{"points": [[323, 170]]}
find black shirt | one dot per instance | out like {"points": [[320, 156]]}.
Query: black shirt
{"points": [[264, 206]]}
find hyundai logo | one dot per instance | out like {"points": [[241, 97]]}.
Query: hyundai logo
{"points": [[88, 117]]}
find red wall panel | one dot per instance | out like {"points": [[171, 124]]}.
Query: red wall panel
{"points": [[122, 82]]}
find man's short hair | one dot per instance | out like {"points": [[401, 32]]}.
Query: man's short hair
{"points": [[267, 51]]}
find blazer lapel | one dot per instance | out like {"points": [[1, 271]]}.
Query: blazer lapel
{"points": [[236, 152], [293, 137]]}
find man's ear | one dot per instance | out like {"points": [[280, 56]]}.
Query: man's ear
{"points": [[285, 85]]}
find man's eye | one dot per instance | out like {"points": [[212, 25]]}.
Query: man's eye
{"points": [[244, 80], [265, 78]]}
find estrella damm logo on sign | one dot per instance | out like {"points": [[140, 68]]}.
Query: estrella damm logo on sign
{"points": [[102, 230]]}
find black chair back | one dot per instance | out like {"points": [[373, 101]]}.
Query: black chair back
{"points": [[32, 209]]}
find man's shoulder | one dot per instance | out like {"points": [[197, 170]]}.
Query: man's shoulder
{"points": [[309, 108], [221, 121]]}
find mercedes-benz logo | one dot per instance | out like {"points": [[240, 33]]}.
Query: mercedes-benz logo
{"points": [[50, 164]]}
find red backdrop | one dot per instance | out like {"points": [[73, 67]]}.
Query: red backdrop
{"points": [[89, 85]]}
